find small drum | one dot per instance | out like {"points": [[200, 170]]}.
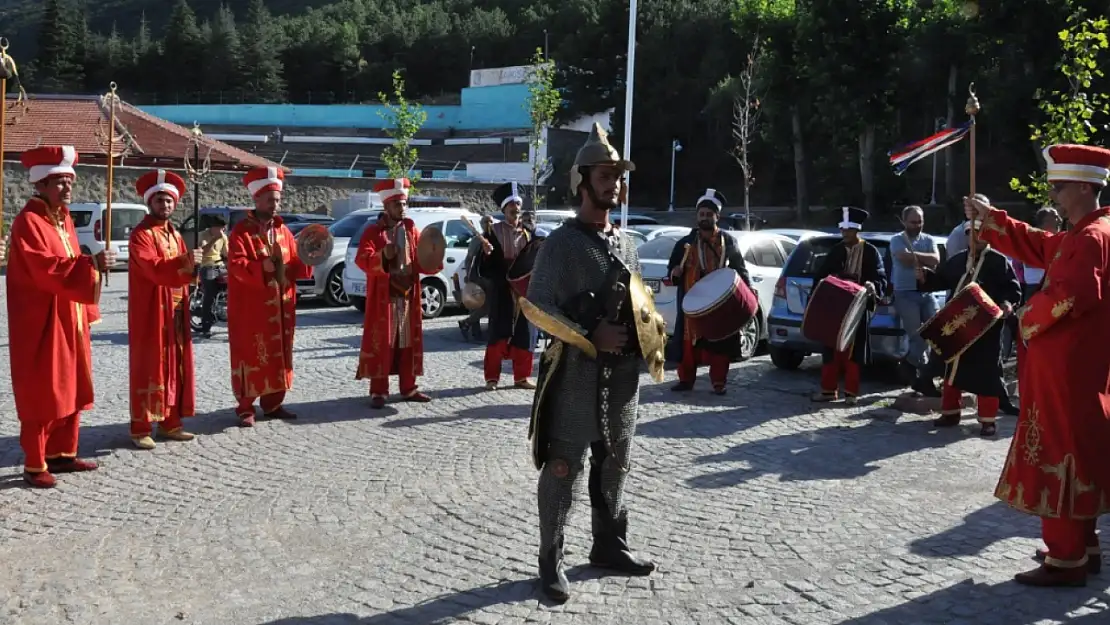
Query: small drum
{"points": [[719, 305], [967, 316], [431, 249], [473, 297], [836, 308], [520, 272]]}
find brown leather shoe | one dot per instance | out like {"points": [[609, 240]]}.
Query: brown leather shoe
{"points": [[417, 396], [824, 396], [42, 479], [1046, 576], [71, 465], [1094, 560], [525, 384], [377, 402], [246, 421], [988, 429], [176, 434], [947, 421]]}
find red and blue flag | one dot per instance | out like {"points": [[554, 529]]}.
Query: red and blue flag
{"points": [[906, 155]]}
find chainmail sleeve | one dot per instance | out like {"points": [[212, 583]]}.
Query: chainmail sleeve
{"points": [[552, 284]]}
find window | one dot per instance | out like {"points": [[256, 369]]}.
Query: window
{"points": [[807, 258], [124, 221], [237, 216], [457, 234], [351, 226], [81, 219], [766, 254], [788, 248], [659, 248]]}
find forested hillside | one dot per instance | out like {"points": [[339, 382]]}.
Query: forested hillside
{"points": [[839, 82]]}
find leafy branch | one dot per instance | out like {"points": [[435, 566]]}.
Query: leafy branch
{"points": [[543, 103], [746, 113], [403, 120], [1069, 114]]}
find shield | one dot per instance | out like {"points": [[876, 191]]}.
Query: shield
{"points": [[431, 249], [314, 244], [651, 329]]}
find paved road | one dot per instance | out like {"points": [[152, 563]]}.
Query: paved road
{"points": [[757, 507]]}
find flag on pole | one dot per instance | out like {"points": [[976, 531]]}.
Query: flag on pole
{"points": [[902, 157]]}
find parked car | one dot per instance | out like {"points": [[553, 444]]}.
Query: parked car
{"points": [[231, 215], [88, 221], [653, 231], [798, 234], [787, 346], [434, 289], [554, 216], [327, 278], [739, 221], [306, 218], [634, 219], [764, 254]]}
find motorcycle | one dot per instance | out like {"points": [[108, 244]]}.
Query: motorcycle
{"points": [[219, 305]]}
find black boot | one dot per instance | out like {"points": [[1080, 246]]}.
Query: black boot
{"points": [[610, 550], [553, 580]]}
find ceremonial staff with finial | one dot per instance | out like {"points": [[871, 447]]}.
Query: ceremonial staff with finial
{"points": [[7, 70], [197, 170], [972, 109], [109, 144]]}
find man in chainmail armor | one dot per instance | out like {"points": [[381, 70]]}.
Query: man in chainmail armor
{"points": [[581, 293]]}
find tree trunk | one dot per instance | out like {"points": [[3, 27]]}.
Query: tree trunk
{"points": [[801, 187], [949, 160], [867, 167]]}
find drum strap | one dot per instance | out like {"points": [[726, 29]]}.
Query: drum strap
{"points": [[968, 278], [853, 266]]}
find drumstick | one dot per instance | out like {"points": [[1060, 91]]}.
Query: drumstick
{"points": [[685, 255]]}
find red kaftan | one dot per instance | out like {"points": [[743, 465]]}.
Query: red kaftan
{"points": [[160, 344], [50, 287], [376, 358], [1057, 466], [261, 314]]}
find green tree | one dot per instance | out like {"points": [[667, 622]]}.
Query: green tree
{"points": [[223, 67], [403, 120], [56, 63], [543, 103], [262, 45], [747, 110], [1071, 115], [182, 51]]}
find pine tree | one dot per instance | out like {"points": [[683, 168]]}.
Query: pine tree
{"points": [[55, 63], [223, 54], [263, 82], [182, 50]]}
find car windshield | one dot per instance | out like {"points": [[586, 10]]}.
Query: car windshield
{"points": [[350, 225], [659, 248], [124, 221], [807, 258]]}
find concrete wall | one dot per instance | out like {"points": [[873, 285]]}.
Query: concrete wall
{"points": [[301, 195], [482, 108]]}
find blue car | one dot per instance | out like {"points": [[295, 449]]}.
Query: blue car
{"points": [[787, 347]]}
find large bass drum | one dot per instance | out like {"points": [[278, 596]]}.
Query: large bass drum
{"points": [[719, 305], [836, 308], [963, 320]]}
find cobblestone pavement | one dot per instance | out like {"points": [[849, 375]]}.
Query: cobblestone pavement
{"points": [[758, 507]]}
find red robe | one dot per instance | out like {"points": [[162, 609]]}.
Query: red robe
{"points": [[1057, 467], [51, 286], [261, 314], [160, 347], [376, 358]]}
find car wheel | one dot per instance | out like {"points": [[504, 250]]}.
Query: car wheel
{"points": [[358, 302], [334, 294], [433, 299], [749, 338], [786, 358]]}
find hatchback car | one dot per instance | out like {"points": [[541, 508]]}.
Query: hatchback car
{"points": [[764, 255], [88, 221], [786, 344]]}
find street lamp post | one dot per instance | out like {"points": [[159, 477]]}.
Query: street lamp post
{"points": [[676, 147]]}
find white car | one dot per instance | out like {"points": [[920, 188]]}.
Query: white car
{"points": [[327, 278], [88, 221], [654, 231], [797, 234], [764, 254], [434, 289]]}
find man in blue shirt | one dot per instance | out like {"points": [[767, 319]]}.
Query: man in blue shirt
{"points": [[910, 249]]}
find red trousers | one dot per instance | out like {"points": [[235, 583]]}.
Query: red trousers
{"points": [[47, 441], [693, 357], [1070, 542], [830, 375], [501, 350], [402, 364], [951, 402], [269, 403], [172, 423]]}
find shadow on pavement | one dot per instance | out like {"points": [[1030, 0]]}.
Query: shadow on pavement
{"points": [[980, 529], [507, 411], [1006, 603]]}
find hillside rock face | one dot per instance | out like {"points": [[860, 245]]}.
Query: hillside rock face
{"points": [[302, 194]]}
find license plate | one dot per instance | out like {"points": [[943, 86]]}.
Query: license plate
{"points": [[655, 285], [122, 248], [358, 288]]}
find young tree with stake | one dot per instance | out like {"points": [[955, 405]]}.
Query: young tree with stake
{"points": [[543, 103], [403, 120], [746, 113]]}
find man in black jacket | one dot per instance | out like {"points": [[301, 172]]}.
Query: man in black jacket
{"points": [[710, 249], [858, 261]]}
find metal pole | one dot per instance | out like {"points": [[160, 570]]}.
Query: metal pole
{"points": [[674, 151], [629, 84]]}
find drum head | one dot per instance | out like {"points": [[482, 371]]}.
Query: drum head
{"points": [[431, 248], [314, 244], [708, 291], [852, 318]]}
